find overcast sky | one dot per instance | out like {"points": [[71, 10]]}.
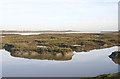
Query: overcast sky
{"points": [[82, 15]]}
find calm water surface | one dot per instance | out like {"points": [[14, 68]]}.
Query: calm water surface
{"points": [[47, 33], [83, 64]]}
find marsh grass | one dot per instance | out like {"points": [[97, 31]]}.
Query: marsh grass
{"points": [[59, 43]]}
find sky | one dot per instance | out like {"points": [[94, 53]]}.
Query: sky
{"points": [[79, 15]]}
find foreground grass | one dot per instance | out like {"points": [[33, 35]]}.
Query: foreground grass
{"points": [[106, 76]]}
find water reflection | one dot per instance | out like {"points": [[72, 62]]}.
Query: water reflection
{"points": [[63, 56], [80, 65], [116, 60], [35, 55], [50, 56]]}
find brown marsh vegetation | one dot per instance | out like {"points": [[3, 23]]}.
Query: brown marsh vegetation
{"points": [[56, 45]]}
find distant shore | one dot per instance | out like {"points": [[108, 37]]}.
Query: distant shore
{"points": [[3, 31], [15, 31]]}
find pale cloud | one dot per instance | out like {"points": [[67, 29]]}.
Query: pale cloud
{"points": [[14, 1], [59, 14]]}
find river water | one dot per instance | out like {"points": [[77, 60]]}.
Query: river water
{"points": [[82, 64], [46, 33]]}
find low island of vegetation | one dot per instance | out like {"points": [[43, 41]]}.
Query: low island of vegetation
{"points": [[115, 56], [56, 46]]}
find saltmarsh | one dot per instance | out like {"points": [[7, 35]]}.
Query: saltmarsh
{"points": [[58, 43]]}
